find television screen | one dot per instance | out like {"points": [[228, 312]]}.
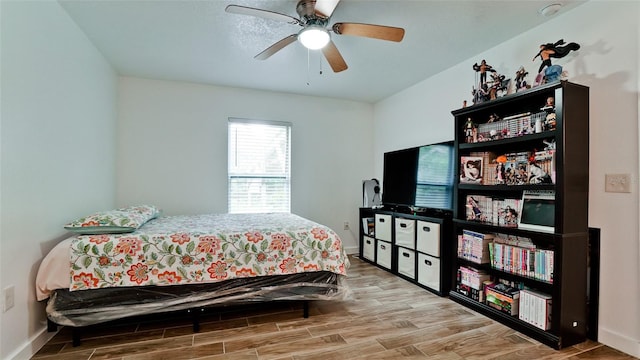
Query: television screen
{"points": [[399, 178], [420, 177]]}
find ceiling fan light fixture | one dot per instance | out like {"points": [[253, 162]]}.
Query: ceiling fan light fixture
{"points": [[550, 10], [314, 37]]}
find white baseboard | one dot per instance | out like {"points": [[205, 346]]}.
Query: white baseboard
{"points": [[30, 348], [619, 342], [351, 250]]}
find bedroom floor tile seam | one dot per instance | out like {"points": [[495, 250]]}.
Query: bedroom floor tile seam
{"points": [[387, 318]]}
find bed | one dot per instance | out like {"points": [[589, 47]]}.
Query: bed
{"points": [[190, 262]]}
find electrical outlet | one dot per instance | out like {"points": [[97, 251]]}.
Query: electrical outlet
{"points": [[620, 183], [9, 297], [346, 225]]}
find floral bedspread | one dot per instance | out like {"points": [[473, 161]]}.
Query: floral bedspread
{"points": [[205, 248]]}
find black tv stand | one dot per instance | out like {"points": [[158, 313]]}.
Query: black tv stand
{"points": [[408, 244], [403, 209], [418, 211]]}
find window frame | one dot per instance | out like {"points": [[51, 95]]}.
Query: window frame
{"points": [[232, 176]]}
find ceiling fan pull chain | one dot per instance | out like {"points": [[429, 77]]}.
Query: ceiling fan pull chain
{"points": [[308, 67]]}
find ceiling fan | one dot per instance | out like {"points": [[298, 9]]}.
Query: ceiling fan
{"points": [[314, 17]]}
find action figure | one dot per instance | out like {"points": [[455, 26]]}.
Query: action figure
{"points": [[521, 83], [549, 50], [500, 173], [499, 86], [469, 128], [480, 94], [482, 69]]}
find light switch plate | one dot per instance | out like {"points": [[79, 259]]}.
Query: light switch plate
{"points": [[620, 183], [9, 297]]}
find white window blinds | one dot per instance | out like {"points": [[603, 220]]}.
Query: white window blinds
{"points": [[435, 177], [259, 166]]}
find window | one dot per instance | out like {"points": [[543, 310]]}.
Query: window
{"points": [[259, 167], [435, 177]]}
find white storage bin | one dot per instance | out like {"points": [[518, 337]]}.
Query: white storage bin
{"points": [[428, 238], [429, 271], [383, 227], [369, 248], [384, 254], [407, 262], [405, 232]]}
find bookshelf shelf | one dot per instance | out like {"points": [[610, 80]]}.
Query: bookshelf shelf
{"points": [[550, 244], [533, 138], [506, 230], [506, 188], [544, 337]]}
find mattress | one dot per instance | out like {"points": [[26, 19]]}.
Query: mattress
{"points": [[180, 262]]}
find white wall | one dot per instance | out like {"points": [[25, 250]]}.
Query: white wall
{"points": [[172, 148], [57, 151], [608, 63], [58, 142]]}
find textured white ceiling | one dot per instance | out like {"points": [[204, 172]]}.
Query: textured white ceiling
{"points": [[197, 41]]}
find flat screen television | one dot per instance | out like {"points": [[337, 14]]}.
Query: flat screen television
{"points": [[420, 177]]}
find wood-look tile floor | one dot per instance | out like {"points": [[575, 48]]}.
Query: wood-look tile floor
{"points": [[387, 318]]}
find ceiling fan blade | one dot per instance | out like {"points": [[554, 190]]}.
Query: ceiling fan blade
{"points": [[325, 8], [371, 31], [276, 47], [334, 58], [272, 15]]}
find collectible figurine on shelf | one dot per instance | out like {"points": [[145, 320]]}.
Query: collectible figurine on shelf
{"points": [[521, 82], [500, 171], [470, 131], [549, 145], [548, 51], [482, 69], [481, 94], [499, 86]]}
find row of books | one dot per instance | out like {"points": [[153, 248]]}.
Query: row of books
{"points": [[508, 127], [503, 297], [535, 308], [472, 277], [470, 282], [523, 261], [528, 305], [521, 168], [516, 255], [489, 210], [369, 226], [474, 246]]}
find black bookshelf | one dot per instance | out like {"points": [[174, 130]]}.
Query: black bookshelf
{"points": [[571, 314]]}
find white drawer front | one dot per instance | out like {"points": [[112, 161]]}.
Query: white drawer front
{"points": [[383, 227], [428, 238], [369, 248], [429, 271], [405, 233], [384, 254], [407, 262]]}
